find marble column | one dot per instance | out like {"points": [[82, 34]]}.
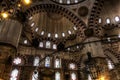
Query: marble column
{"points": [[95, 62]]}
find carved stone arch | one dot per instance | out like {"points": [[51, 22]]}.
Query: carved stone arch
{"points": [[53, 8], [95, 12], [111, 55]]}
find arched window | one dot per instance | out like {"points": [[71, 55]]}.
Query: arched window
{"points": [[42, 33], [41, 44], [48, 45], [72, 66], [17, 61], [14, 74], [117, 19], [69, 32], [63, 34], [75, 28], [30, 18], [89, 77], [110, 64], [36, 61], [32, 24], [54, 46], [25, 41], [73, 76], [108, 21], [36, 29], [60, 1], [47, 62], [49, 34], [68, 1], [100, 20], [57, 76], [57, 63], [35, 75], [76, 1]]}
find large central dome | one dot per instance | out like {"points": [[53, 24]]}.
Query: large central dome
{"points": [[67, 2]]}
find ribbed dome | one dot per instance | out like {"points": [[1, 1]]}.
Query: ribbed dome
{"points": [[67, 2], [51, 25]]}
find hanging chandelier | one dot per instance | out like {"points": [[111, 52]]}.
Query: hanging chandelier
{"points": [[9, 8]]}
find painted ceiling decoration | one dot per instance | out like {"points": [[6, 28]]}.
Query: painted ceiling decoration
{"points": [[75, 31]]}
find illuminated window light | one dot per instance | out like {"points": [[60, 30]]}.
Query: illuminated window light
{"points": [[32, 24], [56, 35], [42, 33], [49, 34], [48, 44], [77, 47], [54, 46], [17, 61], [76, 1], [41, 44], [60, 1], [117, 19], [69, 32], [63, 34], [74, 28], [36, 30], [108, 39], [89, 77], [119, 36], [108, 21], [110, 65], [68, 1], [30, 18], [100, 20], [72, 66], [25, 41], [68, 49]]}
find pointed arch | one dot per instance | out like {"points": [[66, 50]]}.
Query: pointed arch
{"points": [[14, 74]]}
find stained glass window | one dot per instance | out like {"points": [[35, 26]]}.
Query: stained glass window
{"points": [[72, 66], [47, 62], [57, 63], [17, 61], [48, 44], [73, 76], [57, 76], [36, 61]]}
